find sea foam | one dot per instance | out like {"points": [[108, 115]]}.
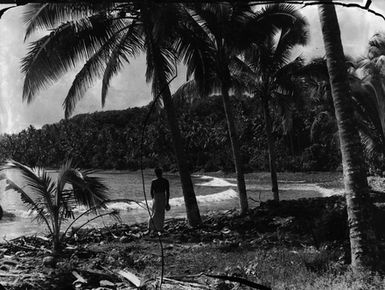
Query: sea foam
{"points": [[177, 201], [215, 182]]}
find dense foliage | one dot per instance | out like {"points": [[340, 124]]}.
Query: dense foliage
{"points": [[111, 139]]}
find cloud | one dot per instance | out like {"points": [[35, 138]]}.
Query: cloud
{"points": [[129, 88]]}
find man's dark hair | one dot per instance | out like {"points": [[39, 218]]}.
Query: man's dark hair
{"points": [[158, 172]]}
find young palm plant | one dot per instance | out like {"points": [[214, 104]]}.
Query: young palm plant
{"points": [[106, 39], [51, 201]]}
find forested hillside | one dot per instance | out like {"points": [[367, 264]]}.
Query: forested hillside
{"points": [[111, 139]]}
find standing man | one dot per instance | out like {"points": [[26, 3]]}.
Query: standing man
{"points": [[160, 193]]}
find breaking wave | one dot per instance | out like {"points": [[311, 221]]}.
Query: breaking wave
{"points": [[215, 182]]}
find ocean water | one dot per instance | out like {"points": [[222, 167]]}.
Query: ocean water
{"points": [[214, 192]]}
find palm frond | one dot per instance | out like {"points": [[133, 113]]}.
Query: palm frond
{"points": [[295, 34], [41, 188], [129, 45], [54, 54], [365, 104], [243, 78], [211, 17], [372, 145], [196, 46], [286, 74], [87, 190], [161, 65], [376, 45], [50, 15], [93, 69], [316, 69]]}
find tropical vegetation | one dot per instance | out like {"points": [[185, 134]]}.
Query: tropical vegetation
{"points": [[53, 202], [118, 139], [233, 53], [105, 38]]}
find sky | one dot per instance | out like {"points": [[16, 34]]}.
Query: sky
{"points": [[129, 88]]}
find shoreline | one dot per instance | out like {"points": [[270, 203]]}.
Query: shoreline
{"points": [[131, 216], [220, 193], [272, 245]]}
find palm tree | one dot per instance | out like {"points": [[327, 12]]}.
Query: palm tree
{"points": [[271, 69], [53, 202], [362, 238], [215, 35], [106, 39], [210, 37]]}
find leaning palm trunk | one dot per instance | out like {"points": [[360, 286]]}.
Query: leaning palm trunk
{"points": [[362, 237], [236, 150], [161, 85], [270, 146], [192, 210]]}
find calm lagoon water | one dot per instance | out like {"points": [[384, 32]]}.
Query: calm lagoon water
{"points": [[214, 192]]}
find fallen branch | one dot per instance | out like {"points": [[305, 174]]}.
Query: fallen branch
{"points": [[188, 284], [240, 280], [26, 246]]}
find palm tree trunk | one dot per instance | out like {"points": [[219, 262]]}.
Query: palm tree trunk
{"points": [[236, 150], [55, 236], [362, 237], [270, 146], [192, 210], [191, 204]]}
